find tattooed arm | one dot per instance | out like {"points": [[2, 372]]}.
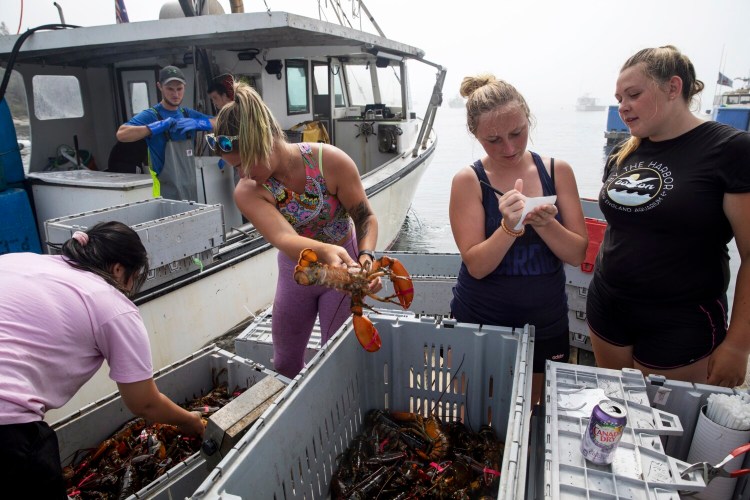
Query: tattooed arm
{"points": [[344, 180]]}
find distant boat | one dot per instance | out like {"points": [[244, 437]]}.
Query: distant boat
{"points": [[733, 107], [587, 103], [457, 102], [616, 130]]}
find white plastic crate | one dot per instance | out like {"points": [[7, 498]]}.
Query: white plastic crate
{"points": [[179, 236], [685, 400], [185, 380], [642, 469], [290, 453]]}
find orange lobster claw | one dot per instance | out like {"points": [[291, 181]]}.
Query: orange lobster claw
{"points": [[402, 282], [366, 333], [307, 257]]}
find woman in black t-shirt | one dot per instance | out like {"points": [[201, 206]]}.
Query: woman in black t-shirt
{"points": [[674, 195]]}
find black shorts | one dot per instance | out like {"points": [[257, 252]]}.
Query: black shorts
{"points": [[556, 348], [663, 336], [30, 459]]}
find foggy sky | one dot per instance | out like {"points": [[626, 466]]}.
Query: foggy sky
{"points": [[552, 51]]}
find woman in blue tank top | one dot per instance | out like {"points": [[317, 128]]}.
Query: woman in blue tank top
{"points": [[512, 269]]}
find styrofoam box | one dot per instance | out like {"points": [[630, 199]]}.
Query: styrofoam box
{"points": [[175, 233], [185, 380], [641, 467], [291, 450]]}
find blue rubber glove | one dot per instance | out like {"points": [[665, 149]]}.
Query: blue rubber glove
{"points": [[185, 125], [160, 126]]}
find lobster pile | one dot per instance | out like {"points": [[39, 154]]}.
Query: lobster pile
{"points": [[405, 455], [137, 454]]}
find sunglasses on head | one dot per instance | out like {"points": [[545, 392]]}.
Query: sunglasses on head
{"points": [[223, 141]]}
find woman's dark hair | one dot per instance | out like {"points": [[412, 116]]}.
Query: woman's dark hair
{"points": [[109, 243]]}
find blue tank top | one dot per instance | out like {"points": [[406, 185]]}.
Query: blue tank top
{"points": [[528, 286]]}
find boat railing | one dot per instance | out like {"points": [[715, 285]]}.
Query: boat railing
{"points": [[436, 100]]}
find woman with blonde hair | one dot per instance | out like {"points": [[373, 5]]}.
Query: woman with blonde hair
{"points": [[512, 276], [298, 196], [674, 195]]}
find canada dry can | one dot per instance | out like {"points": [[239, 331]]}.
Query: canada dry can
{"points": [[603, 434]]}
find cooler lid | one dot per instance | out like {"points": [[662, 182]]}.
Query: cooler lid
{"points": [[92, 179]]}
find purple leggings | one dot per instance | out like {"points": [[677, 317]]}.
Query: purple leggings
{"points": [[295, 308]]}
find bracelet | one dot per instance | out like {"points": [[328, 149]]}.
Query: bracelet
{"points": [[510, 232], [369, 253]]}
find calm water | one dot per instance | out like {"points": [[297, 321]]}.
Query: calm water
{"points": [[574, 136]]}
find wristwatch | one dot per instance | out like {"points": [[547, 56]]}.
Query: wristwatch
{"points": [[369, 253]]}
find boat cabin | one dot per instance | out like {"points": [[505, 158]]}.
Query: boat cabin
{"points": [[70, 90]]}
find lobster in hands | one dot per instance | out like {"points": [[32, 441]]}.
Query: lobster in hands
{"points": [[356, 281]]}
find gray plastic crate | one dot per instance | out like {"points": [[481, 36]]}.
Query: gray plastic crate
{"points": [[291, 451], [685, 400], [641, 469], [180, 236], [185, 380], [255, 341]]}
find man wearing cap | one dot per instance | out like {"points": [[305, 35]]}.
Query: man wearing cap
{"points": [[168, 130]]}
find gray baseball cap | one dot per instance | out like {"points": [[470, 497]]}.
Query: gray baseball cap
{"points": [[169, 73]]}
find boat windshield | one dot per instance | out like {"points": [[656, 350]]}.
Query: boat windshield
{"points": [[362, 86]]}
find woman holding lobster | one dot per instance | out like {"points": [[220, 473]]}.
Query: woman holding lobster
{"points": [[296, 204]]}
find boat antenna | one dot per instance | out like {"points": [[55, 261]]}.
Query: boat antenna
{"points": [[372, 19], [59, 12], [17, 47]]}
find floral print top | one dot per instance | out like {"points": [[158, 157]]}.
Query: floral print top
{"points": [[316, 213]]}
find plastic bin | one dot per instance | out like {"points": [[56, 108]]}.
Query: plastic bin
{"points": [[641, 468], [595, 229], [291, 451], [685, 400], [63, 193], [179, 236], [185, 380]]}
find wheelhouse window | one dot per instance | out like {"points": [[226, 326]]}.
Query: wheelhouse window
{"points": [[360, 84], [297, 95], [56, 97], [138, 96], [389, 83], [15, 96]]}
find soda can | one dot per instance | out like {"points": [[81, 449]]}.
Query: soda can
{"points": [[608, 419]]}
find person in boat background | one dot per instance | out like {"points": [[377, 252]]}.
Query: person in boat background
{"points": [[298, 196], [508, 276], [168, 130], [61, 316], [674, 194], [221, 91]]}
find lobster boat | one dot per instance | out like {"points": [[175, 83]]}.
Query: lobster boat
{"points": [[67, 89]]}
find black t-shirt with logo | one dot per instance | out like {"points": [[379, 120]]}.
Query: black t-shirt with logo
{"points": [[667, 234]]}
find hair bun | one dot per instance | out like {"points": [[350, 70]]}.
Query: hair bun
{"points": [[470, 84]]}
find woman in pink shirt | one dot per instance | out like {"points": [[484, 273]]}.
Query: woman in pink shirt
{"points": [[61, 316]]}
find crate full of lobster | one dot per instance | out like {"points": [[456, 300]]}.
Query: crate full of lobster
{"points": [[432, 384], [108, 453]]}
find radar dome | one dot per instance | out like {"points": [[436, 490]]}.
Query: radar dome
{"points": [[172, 9]]}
